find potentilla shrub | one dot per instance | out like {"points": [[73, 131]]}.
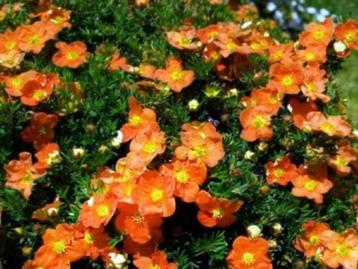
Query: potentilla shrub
{"points": [[173, 134]]}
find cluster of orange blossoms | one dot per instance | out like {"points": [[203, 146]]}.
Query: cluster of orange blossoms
{"points": [[137, 198], [328, 247]]}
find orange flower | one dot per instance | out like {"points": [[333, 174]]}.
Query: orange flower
{"points": [[118, 63], [340, 249], [183, 39], [40, 131], [348, 33], [97, 211], [138, 119], [70, 55], [49, 155], [286, 76], [300, 112], [281, 172], [340, 162], [270, 99], [310, 243], [91, 241], [188, 177], [21, 174], [158, 260], [32, 38], [314, 54], [314, 83], [174, 75], [249, 254], [310, 187], [256, 124], [139, 227], [14, 84], [57, 251], [317, 34], [201, 142], [36, 91], [280, 52], [214, 211], [145, 147], [154, 194], [9, 41], [331, 125]]}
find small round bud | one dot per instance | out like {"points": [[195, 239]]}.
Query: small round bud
{"points": [[193, 104], [78, 152], [277, 228], [253, 231]]}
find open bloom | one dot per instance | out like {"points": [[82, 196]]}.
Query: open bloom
{"points": [[287, 76], [317, 34], [21, 174], [256, 123], [138, 119], [281, 171], [174, 75], [146, 146], [331, 125], [38, 89], [249, 254], [200, 142], [70, 55], [158, 260], [310, 242], [97, 211], [340, 249], [154, 194], [139, 227], [40, 132], [57, 251], [348, 33], [214, 211], [49, 155], [310, 187], [188, 177]]}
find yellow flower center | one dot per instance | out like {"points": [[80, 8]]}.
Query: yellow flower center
{"points": [[319, 35], [16, 82], [39, 94], [182, 176], [102, 211], [314, 240], [138, 218], [310, 185], [248, 258], [198, 152], [72, 55], [177, 75], [350, 37], [135, 120], [278, 172], [328, 128], [157, 195], [287, 80], [34, 39], [150, 147], [10, 45], [259, 121], [342, 250], [59, 247], [88, 238], [217, 213], [310, 56]]}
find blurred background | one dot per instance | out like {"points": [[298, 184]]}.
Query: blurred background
{"points": [[293, 16]]}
